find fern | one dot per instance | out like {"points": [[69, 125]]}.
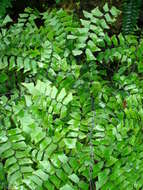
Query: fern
{"points": [[131, 13], [64, 125], [94, 40], [4, 4]]}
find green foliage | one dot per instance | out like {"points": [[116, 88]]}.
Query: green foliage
{"points": [[131, 13], [63, 122], [4, 4]]}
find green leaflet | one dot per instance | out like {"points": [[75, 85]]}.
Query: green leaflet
{"points": [[4, 147], [106, 8], [76, 52], [96, 12], [90, 56], [68, 99], [70, 143], [61, 95], [74, 178], [66, 187]]}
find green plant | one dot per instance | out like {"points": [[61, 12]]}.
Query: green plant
{"points": [[131, 13], [64, 124], [4, 4]]}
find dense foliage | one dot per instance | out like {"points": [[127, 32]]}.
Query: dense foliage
{"points": [[4, 4], [131, 14], [70, 103], [131, 10]]}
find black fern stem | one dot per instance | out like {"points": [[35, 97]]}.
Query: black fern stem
{"points": [[92, 184]]}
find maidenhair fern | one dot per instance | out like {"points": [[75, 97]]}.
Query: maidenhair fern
{"points": [[64, 125]]}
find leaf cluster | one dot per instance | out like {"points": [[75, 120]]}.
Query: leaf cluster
{"points": [[60, 115]]}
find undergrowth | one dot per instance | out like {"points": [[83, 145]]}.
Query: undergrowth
{"points": [[70, 103]]}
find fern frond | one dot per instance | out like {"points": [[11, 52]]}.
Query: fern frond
{"points": [[14, 151], [131, 12], [64, 119]]}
